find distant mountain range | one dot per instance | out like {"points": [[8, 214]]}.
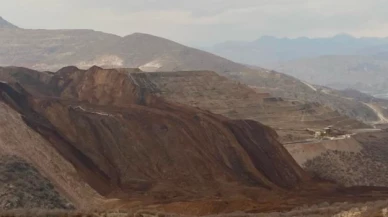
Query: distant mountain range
{"points": [[339, 62], [268, 51], [365, 73], [53, 49]]}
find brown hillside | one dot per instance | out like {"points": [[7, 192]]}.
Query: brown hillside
{"points": [[107, 141], [210, 91], [19, 140], [127, 143]]}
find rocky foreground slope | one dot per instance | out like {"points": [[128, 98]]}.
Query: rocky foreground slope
{"points": [[22, 186]]}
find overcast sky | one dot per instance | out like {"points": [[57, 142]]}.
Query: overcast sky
{"points": [[203, 22]]}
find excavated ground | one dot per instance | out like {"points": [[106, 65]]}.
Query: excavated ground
{"points": [[209, 91], [125, 147]]}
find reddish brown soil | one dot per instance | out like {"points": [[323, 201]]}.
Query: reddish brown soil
{"points": [[128, 143], [137, 148]]}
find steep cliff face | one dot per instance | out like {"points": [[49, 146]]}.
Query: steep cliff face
{"points": [[128, 143]]}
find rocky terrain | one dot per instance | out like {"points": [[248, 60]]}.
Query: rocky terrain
{"points": [[281, 85], [19, 140], [357, 161], [207, 90], [188, 142], [79, 113], [22, 186], [108, 139]]}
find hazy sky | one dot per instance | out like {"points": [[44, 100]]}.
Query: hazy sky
{"points": [[202, 22]]}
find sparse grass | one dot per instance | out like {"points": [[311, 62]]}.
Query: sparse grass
{"points": [[22, 186], [366, 168]]}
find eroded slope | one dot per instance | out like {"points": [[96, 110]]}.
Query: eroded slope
{"points": [[129, 144], [220, 95], [19, 140], [281, 85], [357, 161]]}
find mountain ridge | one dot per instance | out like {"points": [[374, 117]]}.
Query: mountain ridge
{"points": [[268, 51], [6, 25], [339, 62], [362, 72], [54, 49], [50, 50]]}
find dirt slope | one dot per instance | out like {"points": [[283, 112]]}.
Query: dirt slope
{"points": [[281, 85], [107, 141], [22, 186], [128, 144], [357, 161], [210, 91], [19, 140]]}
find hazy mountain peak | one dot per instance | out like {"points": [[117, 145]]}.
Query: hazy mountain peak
{"points": [[344, 35], [344, 38], [268, 38], [6, 24], [138, 34], [145, 36]]}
